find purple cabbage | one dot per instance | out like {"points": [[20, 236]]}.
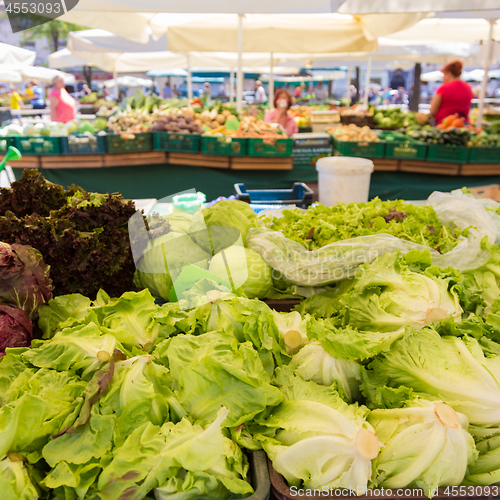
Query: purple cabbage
{"points": [[24, 278], [16, 329]]}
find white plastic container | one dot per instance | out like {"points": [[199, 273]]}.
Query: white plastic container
{"points": [[343, 179]]}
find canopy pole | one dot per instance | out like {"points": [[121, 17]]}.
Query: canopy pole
{"points": [[231, 86], [239, 75], [348, 93], [115, 78], [368, 77], [489, 56], [271, 82], [189, 78]]}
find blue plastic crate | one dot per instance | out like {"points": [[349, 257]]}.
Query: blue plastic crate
{"points": [[300, 195]]}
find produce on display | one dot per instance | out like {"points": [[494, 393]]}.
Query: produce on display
{"points": [[319, 225], [354, 133], [434, 135], [387, 378], [396, 118], [425, 445], [82, 236], [16, 329], [484, 140], [176, 123]]}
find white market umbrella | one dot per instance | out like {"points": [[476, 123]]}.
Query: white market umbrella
{"points": [[128, 81], [64, 58], [384, 6], [9, 75], [431, 76], [28, 72], [15, 55]]}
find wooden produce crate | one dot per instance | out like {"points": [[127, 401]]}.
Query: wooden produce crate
{"points": [[385, 164], [480, 169], [72, 161], [429, 167], [131, 159], [198, 160], [261, 163]]}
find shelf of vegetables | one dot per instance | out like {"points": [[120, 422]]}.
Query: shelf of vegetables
{"points": [[386, 376]]}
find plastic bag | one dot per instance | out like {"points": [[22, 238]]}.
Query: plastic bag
{"points": [[340, 260], [464, 210], [334, 262]]}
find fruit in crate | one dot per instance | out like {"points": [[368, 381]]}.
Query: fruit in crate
{"points": [[353, 133], [181, 123]]}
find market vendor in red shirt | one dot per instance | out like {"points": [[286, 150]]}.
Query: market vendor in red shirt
{"points": [[282, 103], [454, 96]]}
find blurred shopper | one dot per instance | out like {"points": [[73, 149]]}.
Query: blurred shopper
{"points": [[35, 90], [85, 91], [299, 91], [321, 92], [454, 96], [260, 93], [167, 90], [401, 97], [16, 103], [62, 105], [397, 80], [175, 91], [207, 94], [282, 103], [107, 94]]}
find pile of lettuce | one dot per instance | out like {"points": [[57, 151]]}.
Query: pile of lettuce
{"points": [[320, 225], [82, 236], [391, 379]]}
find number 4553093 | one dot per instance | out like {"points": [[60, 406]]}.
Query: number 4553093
{"points": [[34, 8]]}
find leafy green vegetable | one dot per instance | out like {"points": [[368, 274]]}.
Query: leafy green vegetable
{"points": [[389, 294], [86, 245], [16, 329], [425, 445], [449, 368], [317, 439], [319, 225], [15, 482], [213, 370], [245, 269], [312, 362], [182, 460]]}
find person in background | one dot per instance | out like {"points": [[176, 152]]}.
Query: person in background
{"points": [[299, 90], [85, 91], [16, 103], [207, 94], [282, 103], [321, 92], [106, 94], [175, 91], [400, 97], [260, 93], [397, 80], [454, 96], [62, 105], [35, 90], [167, 90]]}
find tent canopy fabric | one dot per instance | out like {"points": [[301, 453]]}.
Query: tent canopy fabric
{"points": [[128, 81], [15, 55], [9, 75], [64, 58], [28, 72], [290, 33], [383, 6], [445, 30]]}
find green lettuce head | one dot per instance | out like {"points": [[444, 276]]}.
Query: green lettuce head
{"points": [[246, 269], [164, 259], [426, 445]]}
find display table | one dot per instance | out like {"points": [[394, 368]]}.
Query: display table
{"points": [[157, 181]]}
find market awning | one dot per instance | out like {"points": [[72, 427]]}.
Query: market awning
{"points": [[384, 6], [64, 58], [9, 54], [284, 33]]}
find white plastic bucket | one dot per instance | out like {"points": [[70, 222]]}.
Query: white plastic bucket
{"points": [[343, 179]]}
